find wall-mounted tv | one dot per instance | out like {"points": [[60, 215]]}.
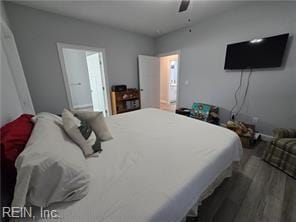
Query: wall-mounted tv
{"points": [[257, 53]]}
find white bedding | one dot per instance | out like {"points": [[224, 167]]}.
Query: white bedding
{"points": [[155, 168], [47, 174]]}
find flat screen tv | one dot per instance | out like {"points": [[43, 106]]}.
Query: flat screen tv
{"points": [[257, 53]]}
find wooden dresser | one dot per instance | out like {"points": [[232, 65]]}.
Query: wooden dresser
{"points": [[125, 101]]}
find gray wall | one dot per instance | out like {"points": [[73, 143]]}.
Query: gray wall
{"points": [[37, 33], [3, 13], [272, 92]]}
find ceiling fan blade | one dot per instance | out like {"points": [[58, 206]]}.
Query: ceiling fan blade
{"points": [[184, 5]]}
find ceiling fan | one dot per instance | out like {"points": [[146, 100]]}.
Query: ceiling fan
{"points": [[184, 5]]}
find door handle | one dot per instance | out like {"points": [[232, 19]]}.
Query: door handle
{"points": [[141, 90], [76, 84]]}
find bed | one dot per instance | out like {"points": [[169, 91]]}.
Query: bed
{"points": [[157, 168]]}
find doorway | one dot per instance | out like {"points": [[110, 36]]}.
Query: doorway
{"points": [[84, 77], [159, 80], [169, 75]]}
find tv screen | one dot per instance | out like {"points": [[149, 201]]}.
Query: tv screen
{"points": [[257, 53]]}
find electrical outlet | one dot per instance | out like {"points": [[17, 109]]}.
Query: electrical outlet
{"points": [[255, 119]]}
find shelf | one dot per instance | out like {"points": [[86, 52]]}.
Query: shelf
{"points": [[122, 100], [128, 110], [128, 99]]}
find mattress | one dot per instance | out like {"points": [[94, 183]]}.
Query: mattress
{"points": [[155, 169]]}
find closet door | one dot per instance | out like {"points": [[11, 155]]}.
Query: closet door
{"points": [[10, 103], [15, 69]]}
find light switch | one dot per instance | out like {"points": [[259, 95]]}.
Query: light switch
{"points": [[186, 82]]}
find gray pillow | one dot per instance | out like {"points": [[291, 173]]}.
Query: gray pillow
{"points": [[97, 122], [81, 133]]}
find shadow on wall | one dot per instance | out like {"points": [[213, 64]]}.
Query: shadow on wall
{"points": [[287, 51], [261, 126]]}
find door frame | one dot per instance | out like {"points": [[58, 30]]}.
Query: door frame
{"points": [[9, 48], [102, 53], [176, 52]]}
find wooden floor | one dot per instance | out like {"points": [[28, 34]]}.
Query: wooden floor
{"points": [[257, 192], [171, 107]]}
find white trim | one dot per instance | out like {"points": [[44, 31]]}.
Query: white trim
{"points": [[15, 65], [164, 101], [176, 52], [60, 47], [106, 82], [101, 51], [82, 106]]}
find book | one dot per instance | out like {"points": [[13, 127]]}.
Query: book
{"points": [[200, 111]]}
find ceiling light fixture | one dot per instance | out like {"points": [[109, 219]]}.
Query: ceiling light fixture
{"points": [[256, 40]]}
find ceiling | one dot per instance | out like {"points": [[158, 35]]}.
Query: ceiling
{"points": [[153, 17]]}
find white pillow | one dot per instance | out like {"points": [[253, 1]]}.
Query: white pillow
{"points": [[45, 115], [50, 169], [81, 133], [97, 122]]}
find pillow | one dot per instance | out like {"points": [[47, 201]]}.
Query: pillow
{"points": [[50, 169], [97, 122], [45, 115], [14, 136], [81, 133]]}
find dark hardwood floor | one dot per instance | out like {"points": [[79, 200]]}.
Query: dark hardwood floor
{"points": [[257, 192]]}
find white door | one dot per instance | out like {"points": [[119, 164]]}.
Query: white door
{"points": [[14, 67], [96, 83], [149, 79], [84, 77]]}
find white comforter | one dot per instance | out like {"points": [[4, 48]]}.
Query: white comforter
{"points": [[155, 168]]}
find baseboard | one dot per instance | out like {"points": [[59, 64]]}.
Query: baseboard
{"points": [[164, 101], [82, 106]]}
